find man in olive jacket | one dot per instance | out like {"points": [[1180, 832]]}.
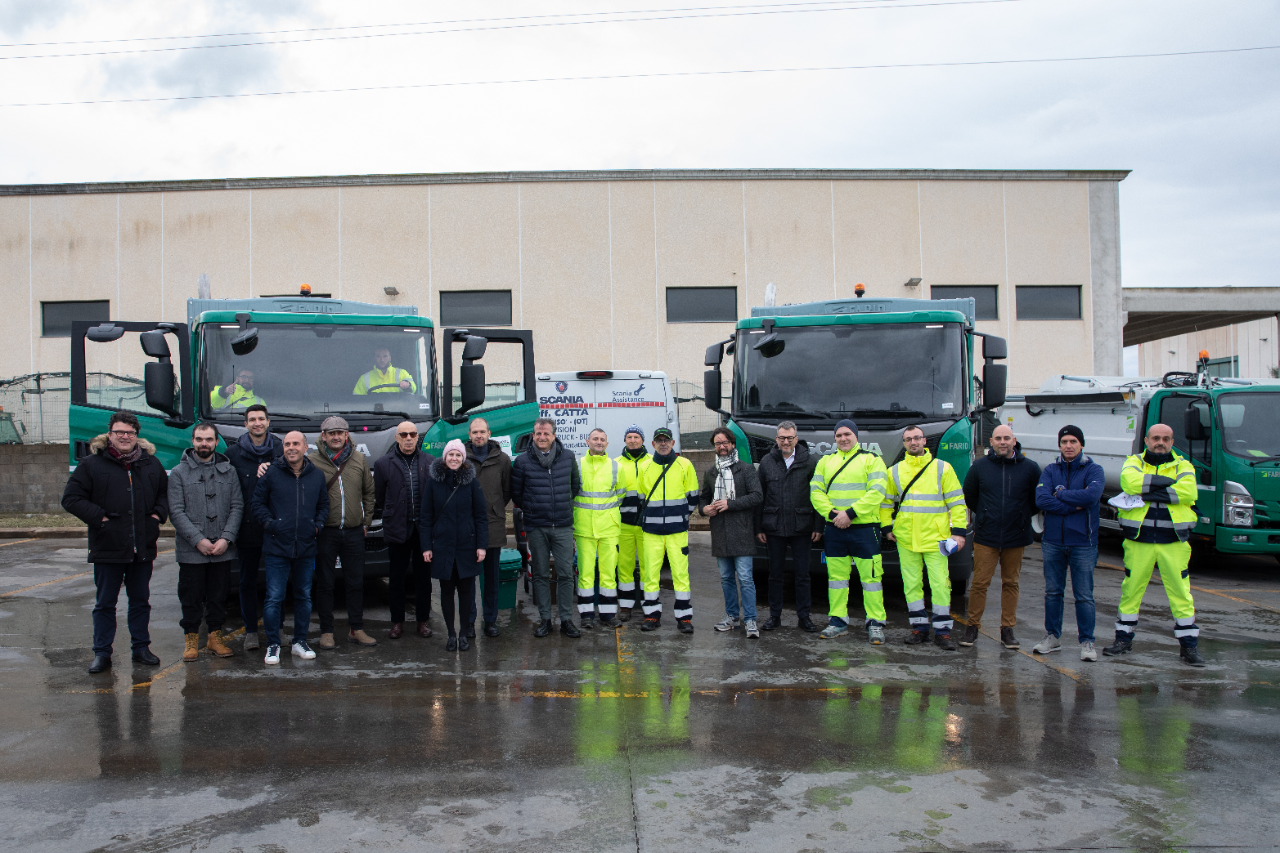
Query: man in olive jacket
{"points": [[786, 519], [493, 471], [351, 497], [121, 491]]}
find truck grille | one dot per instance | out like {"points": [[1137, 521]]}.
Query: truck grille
{"points": [[759, 446]]}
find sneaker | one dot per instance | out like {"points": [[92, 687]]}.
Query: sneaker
{"points": [[834, 629], [302, 650], [875, 635], [728, 623], [588, 623], [1087, 651], [1049, 644], [968, 636], [753, 631], [251, 641], [1122, 646], [1008, 640], [273, 655], [1191, 655]]}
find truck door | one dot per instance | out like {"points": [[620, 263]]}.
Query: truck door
{"points": [[510, 389], [1173, 413]]}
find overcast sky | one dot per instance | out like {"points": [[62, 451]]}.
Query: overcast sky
{"points": [[1199, 132]]}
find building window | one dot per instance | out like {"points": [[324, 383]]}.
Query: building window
{"points": [[475, 308], [1048, 302], [702, 304], [984, 297], [56, 317]]}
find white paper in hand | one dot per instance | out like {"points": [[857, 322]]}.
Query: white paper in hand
{"points": [[1126, 501], [947, 546]]}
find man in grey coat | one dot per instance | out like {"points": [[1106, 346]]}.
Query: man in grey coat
{"points": [[730, 495], [205, 506]]}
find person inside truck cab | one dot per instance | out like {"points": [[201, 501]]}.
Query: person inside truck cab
{"points": [[384, 378], [237, 394]]}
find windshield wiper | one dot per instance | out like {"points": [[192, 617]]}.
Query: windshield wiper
{"points": [[404, 415], [786, 413], [290, 415], [905, 413], [1257, 462]]}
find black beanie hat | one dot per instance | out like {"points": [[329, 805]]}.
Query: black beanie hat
{"points": [[1071, 429]]}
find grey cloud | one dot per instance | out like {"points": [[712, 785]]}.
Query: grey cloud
{"points": [[18, 16]]}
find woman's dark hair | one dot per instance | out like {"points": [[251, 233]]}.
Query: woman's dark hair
{"points": [[126, 419]]}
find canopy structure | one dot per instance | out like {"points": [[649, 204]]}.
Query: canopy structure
{"points": [[1153, 313]]}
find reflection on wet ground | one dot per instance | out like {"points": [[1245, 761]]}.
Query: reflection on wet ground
{"points": [[630, 741]]}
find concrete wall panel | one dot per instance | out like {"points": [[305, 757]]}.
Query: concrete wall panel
{"points": [[295, 240], [789, 241], [877, 237]]}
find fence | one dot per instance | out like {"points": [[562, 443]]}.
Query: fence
{"points": [[39, 402], [696, 420]]}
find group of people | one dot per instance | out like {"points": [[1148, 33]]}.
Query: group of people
{"points": [[609, 524]]}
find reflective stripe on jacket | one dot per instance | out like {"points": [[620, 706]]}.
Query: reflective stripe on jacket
{"points": [[859, 487], [629, 480], [934, 508], [243, 398], [595, 508], [673, 501], [1172, 485], [391, 376]]}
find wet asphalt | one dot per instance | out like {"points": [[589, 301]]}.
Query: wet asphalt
{"points": [[625, 741]]}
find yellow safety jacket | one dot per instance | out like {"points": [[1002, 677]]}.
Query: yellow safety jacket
{"points": [[630, 479], [934, 508], [1179, 498], [243, 398], [858, 485], [595, 509], [392, 376], [670, 500]]}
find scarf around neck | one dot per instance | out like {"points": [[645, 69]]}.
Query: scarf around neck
{"points": [[725, 489], [127, 459], [261, 451]]}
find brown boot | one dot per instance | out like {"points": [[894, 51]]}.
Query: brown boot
{"points": [[326, 642], [217, 645], [360, 637], [192, 651]]}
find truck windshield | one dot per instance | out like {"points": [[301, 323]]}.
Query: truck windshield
{"points": [[306, 371], [1249, 424], [907, 371]]}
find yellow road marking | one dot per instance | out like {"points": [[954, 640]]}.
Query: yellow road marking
{"points": [[1202, 589], [159, 675], [46, 583], [17, 542], [1069, 673]]}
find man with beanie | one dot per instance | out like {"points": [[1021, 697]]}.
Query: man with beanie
{"points": [[847, 489], [251, 455], [785, 519], [925, 515], [596, 526], [631, 538], [1000, 491], [1156, 533], [1069, 494], [351, 497], [398, 478], [493, 472], [668, 490]]}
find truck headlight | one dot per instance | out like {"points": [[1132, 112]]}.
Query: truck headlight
{"points": [[1237, 505]]}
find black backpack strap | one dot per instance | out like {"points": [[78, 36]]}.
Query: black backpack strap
{"points": [[832, 482], [902, 497]]}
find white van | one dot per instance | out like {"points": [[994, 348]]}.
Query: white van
{"points": [[579, 401]]}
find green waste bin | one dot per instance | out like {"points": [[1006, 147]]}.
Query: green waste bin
{"points": [[509, 565]]}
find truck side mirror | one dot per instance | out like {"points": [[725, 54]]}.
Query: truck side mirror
{"points": [[474, 348], [105, 333], [470, 387], [711, 388], [157, 382], [993, 347], [154, 344], [715, 354], [995, 380], [1192, 428]]}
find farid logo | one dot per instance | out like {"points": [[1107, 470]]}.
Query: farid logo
{"points": [[562, 386]]}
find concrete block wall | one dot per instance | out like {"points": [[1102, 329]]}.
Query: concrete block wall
{"points": [[32, 477]]}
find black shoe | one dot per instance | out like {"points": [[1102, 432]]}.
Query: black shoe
{"points": [[651, 623], [451, 644], [1008, 640], [542, 629], [490, 629], [588, 623], [463, 644], [770, 624], [969, 635], [143, 655], [944, 642], [101, 663], [1121, 646], [915, 638], [607, 621], [806, 624], [470, 633], [570, 630], [624, 614], [1191, 655], [685, 626]]}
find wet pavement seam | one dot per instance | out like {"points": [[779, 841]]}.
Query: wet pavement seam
{"points": [[626, 742], [1115, 568]]}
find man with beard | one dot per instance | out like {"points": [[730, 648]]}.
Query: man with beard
{"points": [[251, 455], [493, 471]]}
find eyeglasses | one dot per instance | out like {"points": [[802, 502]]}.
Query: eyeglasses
{"points": [[123, 433], [786, 438], [406, 435], [723, 443]]}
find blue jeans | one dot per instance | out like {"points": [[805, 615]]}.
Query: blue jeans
{"points": [[1081, 559], [740, 566], [281, 571], [136, 578]]}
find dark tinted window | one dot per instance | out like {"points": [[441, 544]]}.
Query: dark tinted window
{"points": [[702, 304], [475, 307], [56, 317], [984, 297], [1048, 302]]}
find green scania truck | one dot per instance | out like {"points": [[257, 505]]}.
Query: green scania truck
{"points": [[884, 363]]}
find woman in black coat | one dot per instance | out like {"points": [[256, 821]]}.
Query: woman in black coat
{"points": [[454, 529]]}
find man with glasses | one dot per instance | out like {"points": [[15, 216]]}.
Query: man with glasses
{"points": [[121, 491], [786, 520], [239, 394], [384, 379], [351, 498], [730, 495], [398, 478]]}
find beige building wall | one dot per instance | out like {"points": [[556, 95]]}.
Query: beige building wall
{"points": [[1256, 344], [587, 257]]}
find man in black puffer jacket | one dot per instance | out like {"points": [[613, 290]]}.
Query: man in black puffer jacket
{"points": [[251, 454], [787, 519], [544, 481], [1000, 491], [122, 492]]}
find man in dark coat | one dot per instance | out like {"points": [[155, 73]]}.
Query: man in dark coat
{"points": [[121, 491], [291, 502], [251, 455], [544, 481], [398, 479], [1000, 491], [729, 497], [493, 472], [786, 519]]}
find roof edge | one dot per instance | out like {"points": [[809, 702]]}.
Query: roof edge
{"points": [[572, 175]]}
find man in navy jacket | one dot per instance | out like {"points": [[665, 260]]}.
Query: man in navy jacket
{"points": [[1069, 494]]}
